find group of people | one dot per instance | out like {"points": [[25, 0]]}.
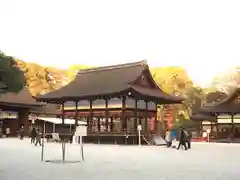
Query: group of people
{"points": [[184, 139], [36, 136]]}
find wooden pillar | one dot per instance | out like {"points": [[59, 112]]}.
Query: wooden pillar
{"points": [[233, 127], [106, 115], [156, 118], [90, 115], [123, 113], [216, 124], [98, 124], [111, 126], [217, 130], [88, 122], [63, 113], [211, 128], [76, 114], [146, 116], [135, 115]]}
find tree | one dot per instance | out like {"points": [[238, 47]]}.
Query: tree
{"points": [[194, 99], [12, 79], [172, 80], [42, 79], [227, 81]]}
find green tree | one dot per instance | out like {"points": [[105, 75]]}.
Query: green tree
{"points": [[12, 79]]}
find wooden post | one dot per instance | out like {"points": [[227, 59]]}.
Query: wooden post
{"points": [[90, 115], [87, 117], [146, 117], [135, 115], [76, 114], [217, 130], [233, 127], [62, 112], [98, 124], [106, 115], [123, 113], [156, 118], [211, 129], [111, 127]]}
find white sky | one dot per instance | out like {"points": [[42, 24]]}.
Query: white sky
{"points": [[202, 36]]}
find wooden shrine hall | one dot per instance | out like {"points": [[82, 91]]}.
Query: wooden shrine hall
{"points": [[113, 100], [19, 109], [15, 110], [227, 113]]}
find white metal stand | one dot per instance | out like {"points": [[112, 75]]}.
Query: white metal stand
{"points": [[43, 136], [139, 128], [81, 145], [74, 140]]}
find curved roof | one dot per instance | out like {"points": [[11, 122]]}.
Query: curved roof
{"points": [[107, 81], [22, 99], [225, 106]]}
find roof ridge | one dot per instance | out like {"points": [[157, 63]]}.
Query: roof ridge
{"points": [[118, 66]]}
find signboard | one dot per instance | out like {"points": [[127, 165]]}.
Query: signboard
{"points": [[8, 115], [81, 131]]}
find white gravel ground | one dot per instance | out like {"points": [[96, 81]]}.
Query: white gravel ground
{"points": [[21, 161]]}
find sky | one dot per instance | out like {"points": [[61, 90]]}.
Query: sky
{"points": [[201, 36]]}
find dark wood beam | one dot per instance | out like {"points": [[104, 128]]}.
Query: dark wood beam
{"points": [[76, 114], [106, 115], [123, 113], [63, 112], [90, 115], [135, 114], [146, 116]]}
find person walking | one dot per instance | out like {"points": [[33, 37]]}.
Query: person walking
{"points": [[168, 138], [8, 132], [33, 135], [188, 139], [182, 139], [21, 133], [38, 138]]}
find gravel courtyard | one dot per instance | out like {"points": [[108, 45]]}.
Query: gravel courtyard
{"points": [[21, 161]]}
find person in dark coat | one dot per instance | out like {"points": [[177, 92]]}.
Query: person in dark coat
{"points": [[188, 139], [33, 135], [38, 138], [182, 139], [21, 133]]}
